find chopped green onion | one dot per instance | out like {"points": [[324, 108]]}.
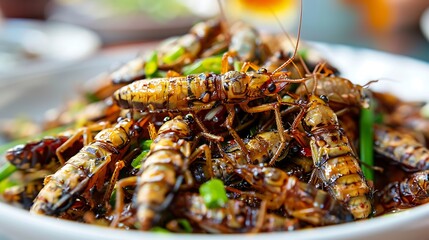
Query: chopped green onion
{"points": [[112, 199], [213, 193], [303, 53], [137, 162], [91, 97], [173, 55], [209, 64], [151, 65], [379, 118], [253, 130], [6, 170], [186, 226], [367, 118], [7, 183], [159, 74], [145, 145], [158, 229], [238, 65]]}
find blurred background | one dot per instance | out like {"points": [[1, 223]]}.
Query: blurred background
{"points": [[40, 34]]}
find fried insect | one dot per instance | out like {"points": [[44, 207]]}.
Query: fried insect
{"points": [[300, 166], [219, 168], [234, 217], [82, 112], [341, 92], [199, 39], [337, 165], [276, 223], [410, 192], [51, 151], [401, 147], [302, 201], [261, 148], [199, 92], [87, 169], [37, 155], [247, 43], [162, 171], [23, 194]]}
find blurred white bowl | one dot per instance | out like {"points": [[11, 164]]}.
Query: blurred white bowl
{"points": [[30, 45]]}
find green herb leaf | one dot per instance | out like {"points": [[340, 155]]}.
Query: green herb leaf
{"points": [[213, 193], [137, 162], [303, 53], [145, 145], [6, 170], [186, 226], [367, 118], [209, 64], [173, 55], [7, 183], [112, 199], [91, 97], [151, 65], [158, 229], [238, 65]]}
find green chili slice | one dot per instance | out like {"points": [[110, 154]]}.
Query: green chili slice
{"points": [[209, 64], [213, 193], [151, 65], [367, 118], [6, 170], [173, 55]]}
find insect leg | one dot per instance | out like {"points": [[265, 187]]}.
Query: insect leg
{"points": [[66, 145], [248, 65], [86, 132], [261, 217], [229, 122], [118, 167], [207, 152], [152, 131], [172, 73], [225, 63], [119, 206], [217, 139], [280, 128]]}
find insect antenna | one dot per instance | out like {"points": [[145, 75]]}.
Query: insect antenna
{"points": [[315, 74], [224, 21], [369, 83], [292, 44], [296, 45]]}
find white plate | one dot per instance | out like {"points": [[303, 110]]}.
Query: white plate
{"points": [[35, 45], [403, 76]]}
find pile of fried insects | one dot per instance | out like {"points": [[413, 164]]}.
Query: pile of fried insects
{"points": [[223, 131]]}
